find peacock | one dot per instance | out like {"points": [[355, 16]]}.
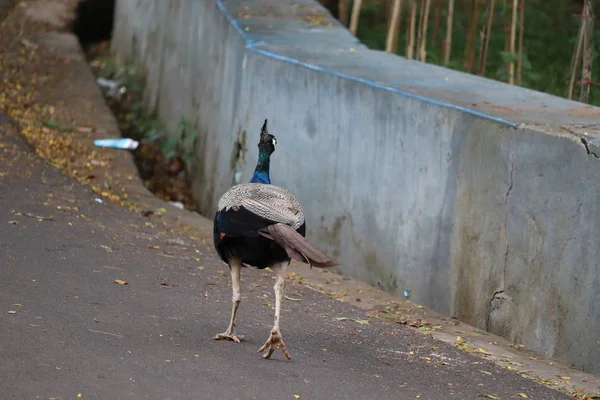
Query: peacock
{"points": [[262, 225]]}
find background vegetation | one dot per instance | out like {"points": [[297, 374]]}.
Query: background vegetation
{"points": [[549, 37]]}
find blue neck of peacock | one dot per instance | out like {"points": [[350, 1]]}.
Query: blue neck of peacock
{"points": [[261, 172]]}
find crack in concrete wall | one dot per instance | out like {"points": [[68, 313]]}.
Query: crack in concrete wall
{"points": [[587, 145]]}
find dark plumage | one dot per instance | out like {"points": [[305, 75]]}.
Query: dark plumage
{"points": [[262, 225]]}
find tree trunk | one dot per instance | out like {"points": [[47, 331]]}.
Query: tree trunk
{"points": [[343, 12], [448, 40], [486, 39], [588, 51], [355, 16], [521, 31], [391, 43], [423, 42], [420, 27], [513, 36], [576, 57], [410, 43], [471, 32], [506, 12]]}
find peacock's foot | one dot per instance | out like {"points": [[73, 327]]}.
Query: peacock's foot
{"points": [[273, 342], [229, 336]]}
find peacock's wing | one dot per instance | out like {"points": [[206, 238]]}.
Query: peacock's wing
{"points": [[248, 208]]}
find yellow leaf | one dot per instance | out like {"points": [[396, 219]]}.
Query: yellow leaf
{"points": [[566, 378], [150, 246], [120, 282], [489, 396], [79, 395], [358, 321], [523, 395], [296, 396]]}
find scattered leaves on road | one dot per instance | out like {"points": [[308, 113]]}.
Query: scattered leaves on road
{"points": [[25, 214], [357, 320]]}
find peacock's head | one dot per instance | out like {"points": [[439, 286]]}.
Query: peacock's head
{"points": [[267, 142]]}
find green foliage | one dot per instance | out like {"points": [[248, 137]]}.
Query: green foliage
{"points": [[550, 36], [176, 142], [126, 74], [181, 143]]}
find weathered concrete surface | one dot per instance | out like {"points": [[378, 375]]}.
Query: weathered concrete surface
{"points": [[477, 196]]}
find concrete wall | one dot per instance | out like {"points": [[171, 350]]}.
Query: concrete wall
{"points": [[478, 197]]}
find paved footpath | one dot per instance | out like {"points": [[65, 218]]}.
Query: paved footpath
{"points": [[69, 329]]}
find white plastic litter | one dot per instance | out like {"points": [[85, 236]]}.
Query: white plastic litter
{"points": [[126, 144]]}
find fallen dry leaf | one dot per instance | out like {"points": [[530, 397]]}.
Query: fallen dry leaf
{"points": [[120, 282], [168, 284], [358, 321], [489, 396], [109, 267], [25, 214], [523, 395]]}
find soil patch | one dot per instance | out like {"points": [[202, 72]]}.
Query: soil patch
{"points": [[165, 176]]}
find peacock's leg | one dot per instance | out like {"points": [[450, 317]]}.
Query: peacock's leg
{"points": [[235, 267], [275, 340]]}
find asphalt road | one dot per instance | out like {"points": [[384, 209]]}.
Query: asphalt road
{"points": [[67, 329]]}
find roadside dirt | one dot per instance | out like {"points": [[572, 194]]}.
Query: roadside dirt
{"points": [[165, 177]]}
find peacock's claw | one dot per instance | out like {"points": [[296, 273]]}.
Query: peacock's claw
{"points": [[229, 336], [273, 342]]}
